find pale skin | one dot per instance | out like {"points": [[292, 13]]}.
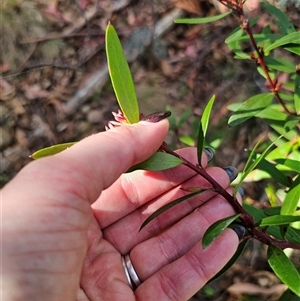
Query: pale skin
{"points": [[67, 219]]}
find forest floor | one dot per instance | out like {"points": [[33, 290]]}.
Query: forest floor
{"points": [[54, 88]]}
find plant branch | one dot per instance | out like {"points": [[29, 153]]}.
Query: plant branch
{"points": [[246, 219], [236, 7], [273, 84]]}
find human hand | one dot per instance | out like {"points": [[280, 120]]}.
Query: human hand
{"points": [[67, 219]]}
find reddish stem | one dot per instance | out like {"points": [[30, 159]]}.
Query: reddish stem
{"points": [[236, 7], [273, 83], [246, 219]]}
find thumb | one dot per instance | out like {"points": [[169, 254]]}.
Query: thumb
{"points": [[94, 163]]}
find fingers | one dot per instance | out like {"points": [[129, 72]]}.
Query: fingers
{"points": [[181, 279], [134, 189], [151, 255], [124, 234], [175, 261]]}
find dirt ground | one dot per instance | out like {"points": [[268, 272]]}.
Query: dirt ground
{"points": [[54, 88]]}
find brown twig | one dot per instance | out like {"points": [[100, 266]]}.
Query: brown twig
{"points": [[23, 66], [57, 36]]}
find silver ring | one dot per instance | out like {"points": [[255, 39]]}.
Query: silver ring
{"points": [[131, 275], [126, 272]]}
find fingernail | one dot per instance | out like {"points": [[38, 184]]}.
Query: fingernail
{"points": [[241, 192], [157, 116], [232, 172], [239, 230], [209, 152]]}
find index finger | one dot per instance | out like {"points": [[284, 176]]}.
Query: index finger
{"points": [[134, 189]]}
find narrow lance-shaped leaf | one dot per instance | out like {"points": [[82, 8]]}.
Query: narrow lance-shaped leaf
{"points": [[274, 172], [170, 205], [120, 76], [201, 20], [234, 36], [293, 37], [255, 163], [206, 114], [292, 235], [284, 268], [276, 220], [280, 64], [238, 32], [285, 25], [292, 198], [203, 127], [247, 165], [158, 161], [216, 229], [200, 144], [250, 108], [51, 150], [292, 164], [297, 93], [294, 48]]}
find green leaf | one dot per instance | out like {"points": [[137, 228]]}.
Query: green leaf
{"points": [[284, 268], [282, 151], [216, 229], [203, 127], [280, 64], [250, 108], [200, 144], [292, 164], [234, 36], [272, 210], [294, 48], [206, 114], [292, 198], [253, 164], [252, 155], [234, 106], [286, 96], [292, 235], [262, 37], [232, 260], [120, 76], [261, 71], [253, 21], [188, 140], [158, 161], [270, 191], [271, 114], [235, 47], [297, 94], [291, 123], [201, 20], [293, 37], [284, 24], [274, 172], [276, 220], [170, 205], [51, 150]]}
